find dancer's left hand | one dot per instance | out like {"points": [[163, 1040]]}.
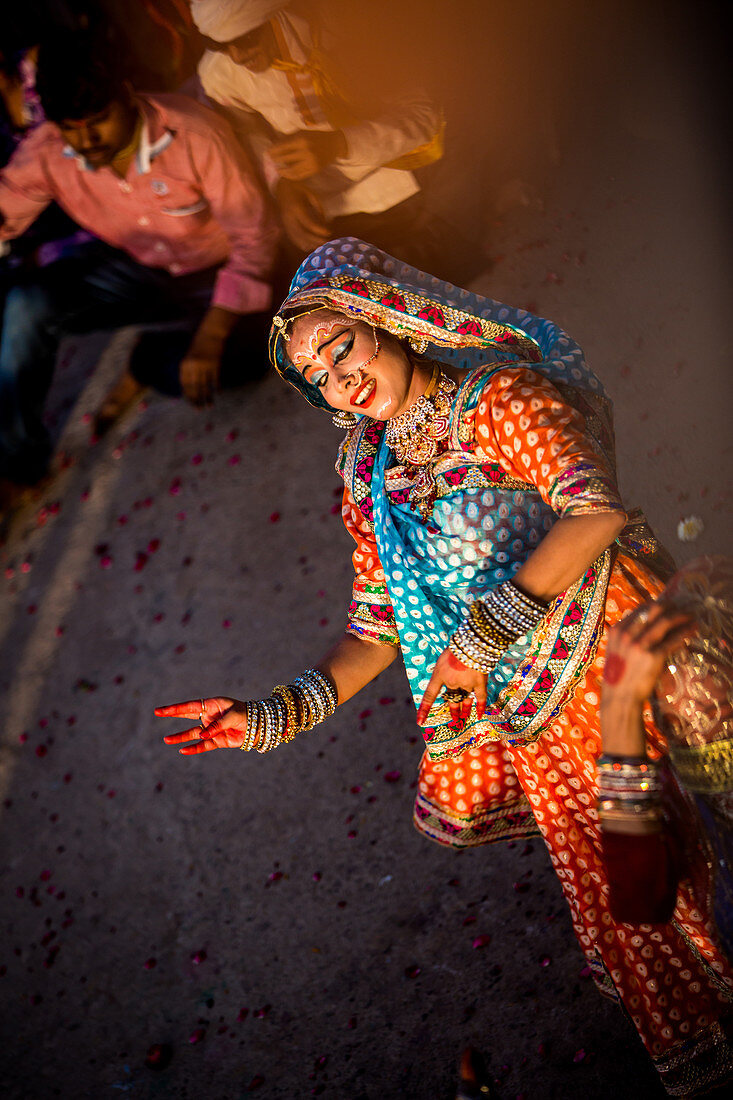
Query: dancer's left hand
{"points": [[451, 673]]}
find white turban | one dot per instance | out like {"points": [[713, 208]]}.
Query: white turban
{"points": [[224, 20]]}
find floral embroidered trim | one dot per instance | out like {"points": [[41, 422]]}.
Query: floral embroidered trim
{"points": [[355, 463], [513, 820], [639, 541], [452, 472], [582, 489], [370, 614], [369, 634], [566, 644], [403, 313], [691, 1065]]}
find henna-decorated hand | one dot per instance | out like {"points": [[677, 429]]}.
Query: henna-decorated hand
{"points": [[223, 724], [638, 648], [454, 675]]}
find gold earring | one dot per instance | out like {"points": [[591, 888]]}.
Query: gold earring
{"points": [[419, 344], [344, 419]]}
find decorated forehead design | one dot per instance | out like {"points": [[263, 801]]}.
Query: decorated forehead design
{"points": [[321, 331]]}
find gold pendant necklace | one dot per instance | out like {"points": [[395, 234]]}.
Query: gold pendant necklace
{"points": [[415, 434]]}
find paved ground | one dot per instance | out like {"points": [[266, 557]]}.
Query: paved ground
{"points": [[276, 920]]}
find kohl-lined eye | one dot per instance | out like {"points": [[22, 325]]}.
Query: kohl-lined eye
{"points": [[342, 349], [319, 379]]}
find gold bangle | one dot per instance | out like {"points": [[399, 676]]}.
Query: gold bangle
{"points": [[292, 726]]}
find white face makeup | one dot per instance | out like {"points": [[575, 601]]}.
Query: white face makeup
{"points": [[357, 368], [320, 334]]}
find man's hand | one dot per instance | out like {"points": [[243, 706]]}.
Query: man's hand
{"points": [[302, 215], [199, 370], [200, 377], [301, 155]]}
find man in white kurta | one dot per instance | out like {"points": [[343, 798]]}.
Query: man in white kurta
{"points": [[335, 166]]}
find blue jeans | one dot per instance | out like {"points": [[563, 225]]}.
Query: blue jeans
{"points": [[106, 289]]}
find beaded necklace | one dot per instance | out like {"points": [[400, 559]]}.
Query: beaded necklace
{"points": [[415, 434]]}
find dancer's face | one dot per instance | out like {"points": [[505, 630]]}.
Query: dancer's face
{"points": [[358, 369]]}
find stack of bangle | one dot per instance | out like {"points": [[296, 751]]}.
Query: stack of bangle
{"points": [[291, 709], [492, 624], [628, 790]]}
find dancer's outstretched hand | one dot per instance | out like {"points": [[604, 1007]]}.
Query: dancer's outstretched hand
{"points": [[222, 724]]}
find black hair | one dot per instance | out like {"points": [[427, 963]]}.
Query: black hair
{"points": [[78, 75]]}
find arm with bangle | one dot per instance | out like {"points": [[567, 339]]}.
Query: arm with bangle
{"points": [[290, 709], [638, 849]]}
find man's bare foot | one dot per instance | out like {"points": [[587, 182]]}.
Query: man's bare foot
{"points": [[120, 398]]}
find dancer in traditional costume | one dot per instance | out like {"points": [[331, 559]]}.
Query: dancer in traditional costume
{"points": [[492, 551]]}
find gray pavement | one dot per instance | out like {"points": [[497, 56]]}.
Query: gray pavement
{"points": [[276, 921]]}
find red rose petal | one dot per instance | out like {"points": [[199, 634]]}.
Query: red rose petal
{"points": [[158, 1056]]}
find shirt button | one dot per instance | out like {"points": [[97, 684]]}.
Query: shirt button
{"points": [[159, 246], [175, 269], [125, 186], [143, 220]]}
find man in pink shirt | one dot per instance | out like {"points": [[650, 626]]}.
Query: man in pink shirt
{"points": [[185, 234]]}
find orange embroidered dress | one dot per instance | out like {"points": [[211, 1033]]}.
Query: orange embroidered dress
{"points": [[529, 441]]}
